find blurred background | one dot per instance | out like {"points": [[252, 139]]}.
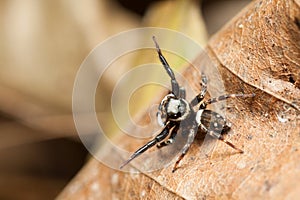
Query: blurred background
{"points": [[42, 44]]}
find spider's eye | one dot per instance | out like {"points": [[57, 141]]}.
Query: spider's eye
{"points": [[182, 108]]}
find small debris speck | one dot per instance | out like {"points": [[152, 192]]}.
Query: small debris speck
{"points": [[143, 193], [115, 179], [281, 119], [95, 186], [241, 165]]}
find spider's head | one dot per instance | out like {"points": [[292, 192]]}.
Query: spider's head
{"points": [[172, 108]]}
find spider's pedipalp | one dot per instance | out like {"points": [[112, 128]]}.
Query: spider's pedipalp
{"points": [[171, 139], [182, 93]]}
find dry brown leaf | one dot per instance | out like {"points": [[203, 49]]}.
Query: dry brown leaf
{"points": [[258, 52]]}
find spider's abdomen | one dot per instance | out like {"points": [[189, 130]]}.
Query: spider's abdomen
{"points": [[213, 122]]}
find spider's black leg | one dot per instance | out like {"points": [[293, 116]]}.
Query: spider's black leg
{"points": [[182, 93], [221, 138], [174, 83], [230, 144], [171, 139], [224, 97], [201, 95], [191, 137], [160, 137]]}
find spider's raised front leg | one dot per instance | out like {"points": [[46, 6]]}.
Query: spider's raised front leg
{"points": [[160, 137], [174, 83]]}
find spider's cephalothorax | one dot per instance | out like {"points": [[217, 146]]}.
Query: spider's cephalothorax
{"points": [[176, 112], [173, 108]]}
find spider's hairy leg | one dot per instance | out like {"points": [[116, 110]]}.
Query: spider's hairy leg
{"points": [[230, 144], [160, 137], [224, 97], [171, 139], [221, 138], [174, 83], [203, 91], [191, 137]]}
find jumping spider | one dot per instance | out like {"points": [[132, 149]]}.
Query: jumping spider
{"points": [[175, 111]]}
